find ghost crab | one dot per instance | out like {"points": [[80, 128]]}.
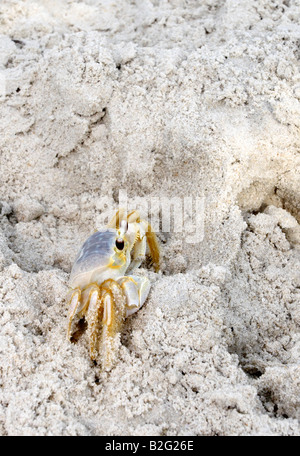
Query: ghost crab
{"points": [[100, 290]]}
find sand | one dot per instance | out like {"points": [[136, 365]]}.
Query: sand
{"points": [[172, 99]]}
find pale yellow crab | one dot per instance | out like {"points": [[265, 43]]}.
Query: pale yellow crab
{"points": [[100, 290]]}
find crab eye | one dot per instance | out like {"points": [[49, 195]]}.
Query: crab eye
{"points": [[120, 243]]}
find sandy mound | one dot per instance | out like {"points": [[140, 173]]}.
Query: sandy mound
{"points": [[172, 99]]}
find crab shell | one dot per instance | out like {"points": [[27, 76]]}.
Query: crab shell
{"points": [[99, 259]]}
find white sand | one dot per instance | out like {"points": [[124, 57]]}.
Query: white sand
{"points": [[175, 99]]}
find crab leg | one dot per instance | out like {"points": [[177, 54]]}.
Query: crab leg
{"points": [[94, 316], [73, 309], [145, 229], [153, 247], [109, 332], [106, 311], [138, 254], [114, 311]]}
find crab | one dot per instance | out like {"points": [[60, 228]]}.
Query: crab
{"points": [[104, 289]]}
